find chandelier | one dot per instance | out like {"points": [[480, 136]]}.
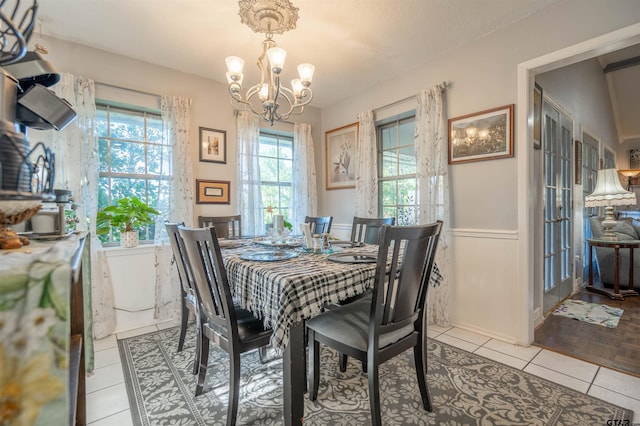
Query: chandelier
{"points": [[269, 99]]}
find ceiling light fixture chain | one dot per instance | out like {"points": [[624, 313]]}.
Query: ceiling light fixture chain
{"points": [[269, 99]]}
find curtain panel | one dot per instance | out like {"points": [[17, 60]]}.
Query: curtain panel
{"points": [[175, 201], [366, 193], [304, 191], [248, 174], [433, 189]]}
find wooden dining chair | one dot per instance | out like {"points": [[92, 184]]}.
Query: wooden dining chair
{"points": [[319, 224], [379, 328], [366, 229], [188, 300], [226, 226], [234, 329]]}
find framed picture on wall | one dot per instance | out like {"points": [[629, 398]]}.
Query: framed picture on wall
{"points": [[484, 135], [537, 116], [212, 191], [340, 156], [213, 145]]}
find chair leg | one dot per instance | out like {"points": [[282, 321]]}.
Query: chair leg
{"points": [[420, 358], [234, 387], [183, 325], [374, 393], [343, 363], [196, 357], [204, 360], [314, 366]]}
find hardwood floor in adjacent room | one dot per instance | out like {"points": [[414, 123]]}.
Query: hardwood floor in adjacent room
{"points": [[616, 348]]}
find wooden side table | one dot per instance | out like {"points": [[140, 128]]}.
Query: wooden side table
{"points": [[616, 246]]}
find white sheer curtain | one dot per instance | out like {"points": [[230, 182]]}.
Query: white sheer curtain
{"points": [[366, 194], [175, 200], [433, 189], [304, 192], [77, 166], [248, 174]]}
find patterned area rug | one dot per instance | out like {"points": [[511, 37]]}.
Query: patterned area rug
{"points": [[465, 389], [592, 313]]}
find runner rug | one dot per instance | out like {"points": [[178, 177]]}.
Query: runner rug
{"points": [[465, 389], [593, 313]]}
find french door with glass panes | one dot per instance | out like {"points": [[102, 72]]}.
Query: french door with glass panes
{"points": [[557, 143], [590, 161]]}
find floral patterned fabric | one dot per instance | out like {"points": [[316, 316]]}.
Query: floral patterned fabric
{"points": [[34, 333], [366, 193]]}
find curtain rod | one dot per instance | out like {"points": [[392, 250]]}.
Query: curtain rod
{"points": [[443, 85], [128, 89]]}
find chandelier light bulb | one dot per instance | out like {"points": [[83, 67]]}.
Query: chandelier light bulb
{"points": [[297, 87], [235, 65], [264, 92], [276, 55], [305, 71]]}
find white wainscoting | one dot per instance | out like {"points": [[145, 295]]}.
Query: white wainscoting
{"points": [[483, 294], [133, 278]]}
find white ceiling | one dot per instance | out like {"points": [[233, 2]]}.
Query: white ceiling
{"points": [[354, 44]]}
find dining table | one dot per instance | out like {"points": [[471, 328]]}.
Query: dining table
{"points": [[285, 285]]}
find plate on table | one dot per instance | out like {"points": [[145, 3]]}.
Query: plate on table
{"points": [[353, 257], [268, 256], [346, 244]]}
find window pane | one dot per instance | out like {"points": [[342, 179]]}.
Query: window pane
{"points": [[407, 161], [389, 164], [286, 149], [285, 170], [101, 122], [268, 169], [389, 193], [406, 133], [154, 129], [285, 199], [407, 191], [389, 139], [129, 125], [158, 160], [406, 216], [126, 187], [103, 153], [268, 146], [127, 157]]}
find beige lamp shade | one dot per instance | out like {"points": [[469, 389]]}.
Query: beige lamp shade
{"points": [[608, 193]]}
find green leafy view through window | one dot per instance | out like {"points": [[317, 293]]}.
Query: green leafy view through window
{"points": [[134, 160], [276, 169], [397, 185]]}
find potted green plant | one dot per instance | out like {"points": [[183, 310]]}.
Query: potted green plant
{"points": [[126, 215]]}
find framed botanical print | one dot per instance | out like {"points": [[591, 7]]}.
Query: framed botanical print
{"points": [[340, 156]]}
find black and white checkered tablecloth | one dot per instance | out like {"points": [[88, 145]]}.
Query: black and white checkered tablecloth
{"points": [[285, 292]]}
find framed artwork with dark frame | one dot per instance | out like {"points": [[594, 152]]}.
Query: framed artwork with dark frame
{"points": [[537, 116], [212, 191], [213, 145], [340, 154], [484, 135]]}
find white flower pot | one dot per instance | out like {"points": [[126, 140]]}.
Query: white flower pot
{"points": [[129, 239]]}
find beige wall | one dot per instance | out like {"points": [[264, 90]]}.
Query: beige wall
{"points": [[210, 107], [491, 282]]}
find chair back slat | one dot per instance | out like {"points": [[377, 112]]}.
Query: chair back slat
{"points": [[209, 273], [367, 229], [226, 226], [405, 260], [179, 257], [319, 224]]}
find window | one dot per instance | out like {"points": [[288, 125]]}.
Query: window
{"points": [[276, 166], [134, 160], [397, 183]]}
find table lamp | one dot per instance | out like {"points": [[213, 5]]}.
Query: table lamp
{"points": [[609, 193], [629, 174]]}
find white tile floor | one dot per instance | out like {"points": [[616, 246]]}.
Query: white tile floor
{"points": [[107, 402]]}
